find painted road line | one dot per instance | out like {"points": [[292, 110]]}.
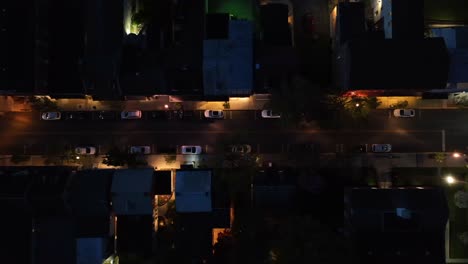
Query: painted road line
{"points": [[443, 140]]}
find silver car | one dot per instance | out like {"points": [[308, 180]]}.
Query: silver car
{"points": [[270, 114], [140, 150], [135, 114], [51, 116], [214, 114], [379, 148], [403, 112], [240, 148], [191, 149], [85, 150]]}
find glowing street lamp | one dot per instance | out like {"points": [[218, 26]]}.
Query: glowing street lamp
{"points": [[166, 106], [357, 104], [77, 157], [456, 155], [450, 180]]}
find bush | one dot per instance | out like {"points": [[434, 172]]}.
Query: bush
{"points": [[19, 158]]}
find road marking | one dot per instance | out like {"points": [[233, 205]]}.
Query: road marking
{"points": [[443, 140], [206, 148], [199, 112], [227, 131]]}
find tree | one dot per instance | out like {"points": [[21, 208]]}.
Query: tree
{"points": [[43, 104], [115, 157], [461, 199], [17, 158], [118, 157], [65, 157]]}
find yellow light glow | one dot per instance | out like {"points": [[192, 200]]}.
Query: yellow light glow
{"points": [[450, 179]]}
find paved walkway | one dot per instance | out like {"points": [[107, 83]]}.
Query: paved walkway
{"points": [[254, 102]]}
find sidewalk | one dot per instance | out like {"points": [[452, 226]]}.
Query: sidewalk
{"points": [[416, 102], [254, 102]]}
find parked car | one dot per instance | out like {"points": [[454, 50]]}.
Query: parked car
{"points": [[159, 115], [381, 148], [270, 114], [106, 115], [403, 112], [140, 150], [360, 148], [240, 148], [214, 114], [191, 149], [51, 116], [85, 150], [76, 115], [134, 114]]}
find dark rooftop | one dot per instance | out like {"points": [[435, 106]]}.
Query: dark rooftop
{"points": [[395, 65]]}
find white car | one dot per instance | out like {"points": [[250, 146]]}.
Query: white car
{"points": [[135, 114], [404, 112], [140, 150], [51, 116], [214, 114], [85, 150], [240, 148], [270, 114], [191, 149], [381, 148]]}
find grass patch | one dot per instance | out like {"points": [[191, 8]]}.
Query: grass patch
{"points": [[458, 224]]}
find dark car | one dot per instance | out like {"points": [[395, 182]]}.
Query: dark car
{"points": [[105, 115], [159, 115], [76, 115]]}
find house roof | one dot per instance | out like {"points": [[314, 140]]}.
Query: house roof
{"points": [[395, 64], [132, 191], [135, 234], [227, 63], [193, 191], [54, 240], [90, 192], [190, 226], [351, 21], [373, 216]]}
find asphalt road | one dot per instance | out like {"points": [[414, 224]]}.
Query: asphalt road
{"points": [[26, 133]]}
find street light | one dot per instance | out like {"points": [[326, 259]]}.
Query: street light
{"points": [[166, 106], [450, 180], [357, 104], [77, 157]]}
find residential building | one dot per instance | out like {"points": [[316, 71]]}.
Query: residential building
{"points": [[193, 191], [133, 192], [347, 23], [403, 225], [456, 40], [393, 66], [228, 58], [399, 19]]}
